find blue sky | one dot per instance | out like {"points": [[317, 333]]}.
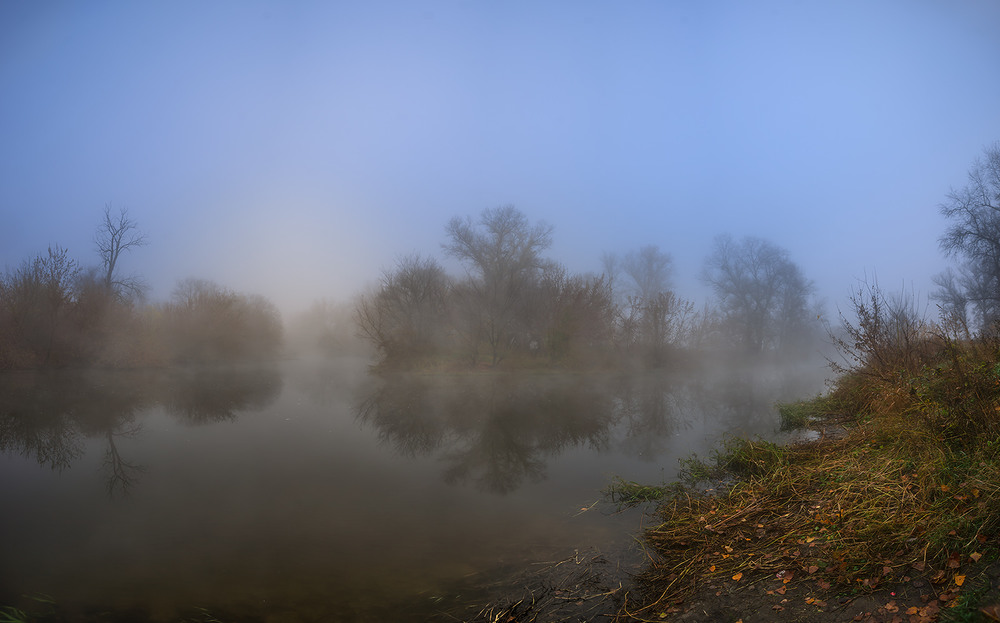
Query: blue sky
{"points": [[296, 149]]}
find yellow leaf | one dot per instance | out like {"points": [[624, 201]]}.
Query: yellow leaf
{"points": [[712, 568], [739, 576], [959, 580], [810, 539]]}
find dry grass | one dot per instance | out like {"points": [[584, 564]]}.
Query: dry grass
{"points": [[851, 513]]}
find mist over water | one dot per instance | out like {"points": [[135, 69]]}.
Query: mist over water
{"points": [[316, 489]]}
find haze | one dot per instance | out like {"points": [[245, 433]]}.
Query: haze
{"points": [[294, 150]]}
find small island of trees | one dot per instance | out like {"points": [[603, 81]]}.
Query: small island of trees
{"points": [[513, 303]]}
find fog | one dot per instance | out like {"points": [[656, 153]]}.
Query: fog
{"points": [[296, 151], [574, 241]]}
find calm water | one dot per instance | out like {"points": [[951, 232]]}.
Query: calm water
{"points": [[315, 492]]}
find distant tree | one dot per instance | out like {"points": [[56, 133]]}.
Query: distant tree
{"points": [[973, 237], [761, 293], [205, 322], [650, 319], [503, 255], [649, 271], [327, 327], [611, 265], [115, 235], [953, 300], [405, 316], [37, 299], [570, 316]]}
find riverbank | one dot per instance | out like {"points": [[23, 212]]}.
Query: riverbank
{"points": [[896, 517]]}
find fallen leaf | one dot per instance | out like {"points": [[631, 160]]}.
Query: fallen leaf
{"points": [[919, 565], [959, 580], [953, 562], [712, 568], [912, 610], [991, 612], [823, 584], [782, 590], [975, 556], [891, 607], [813, 569], [738, 576]]}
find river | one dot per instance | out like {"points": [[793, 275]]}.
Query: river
{"points": [[308, 491]]}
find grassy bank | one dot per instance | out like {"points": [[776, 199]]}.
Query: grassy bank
{"points": [[908, 486]]}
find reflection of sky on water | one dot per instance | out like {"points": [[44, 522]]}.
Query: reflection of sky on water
{"points": [[318, 488]]}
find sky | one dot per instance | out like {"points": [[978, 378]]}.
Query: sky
{"points": [[297, 149]]}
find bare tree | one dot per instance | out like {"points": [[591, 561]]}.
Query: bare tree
{"points": [[404, 317], [114, 236], [37, 298], [649, 269], [761, 292], [503, 255], [887, 335], [953, 300], [974, 238]]}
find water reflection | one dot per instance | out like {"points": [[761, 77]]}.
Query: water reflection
{"points": [[206, 395], [48, 416], [277, 485], [499, 431], [492, 431]]}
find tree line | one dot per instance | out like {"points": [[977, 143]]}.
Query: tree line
{"points": [[54, 311], [511, 302], [514, 302]]}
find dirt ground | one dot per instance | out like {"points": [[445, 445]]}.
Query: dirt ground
{"points": [[589, 587]]}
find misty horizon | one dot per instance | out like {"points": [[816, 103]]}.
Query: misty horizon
{"points": [[296, 152]]}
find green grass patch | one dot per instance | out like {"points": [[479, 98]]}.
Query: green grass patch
{"points": [[626, 493], [802, 413]]}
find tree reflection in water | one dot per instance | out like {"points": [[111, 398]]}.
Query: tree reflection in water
{"points": [[49, 416], [499, 431]]}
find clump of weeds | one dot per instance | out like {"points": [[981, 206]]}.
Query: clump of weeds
{"points": [[802, 413], [626, 493]]}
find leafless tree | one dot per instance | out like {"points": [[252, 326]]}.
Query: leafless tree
{"points": [[405, 316], [503, 255], [649, 270], [114, 236], [761, 293], [974, 238], [37, 298], [206, 322]]}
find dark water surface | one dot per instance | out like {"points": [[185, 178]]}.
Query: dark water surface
{"points": [[312, 491]]}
